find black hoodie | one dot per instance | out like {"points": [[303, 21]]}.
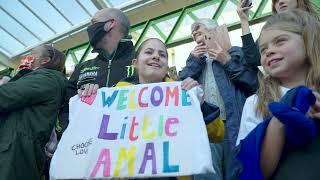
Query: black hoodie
{"points": [[102, 71]]}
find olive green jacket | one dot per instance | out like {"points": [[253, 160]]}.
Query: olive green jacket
{"points": [[28, 110]]}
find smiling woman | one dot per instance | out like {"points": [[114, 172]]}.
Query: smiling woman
{"points": [[151, 66], [151, 61]]}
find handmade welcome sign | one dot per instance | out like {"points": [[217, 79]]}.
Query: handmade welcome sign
{"points": [[148, 130]]}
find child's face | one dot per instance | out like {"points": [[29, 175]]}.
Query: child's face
{"points": [[152, 62], [283, 54], [285, 5]]}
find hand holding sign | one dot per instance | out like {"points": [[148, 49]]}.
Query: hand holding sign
{"points": [[88, 89], [88, 99], [134, 131]]}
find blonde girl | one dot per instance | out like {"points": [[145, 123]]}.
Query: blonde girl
{"points": [[289, 44]]}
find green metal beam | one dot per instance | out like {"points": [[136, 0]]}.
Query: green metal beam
{"points": [[138, 26], [176, 13], [66, 52], [177, 25], [165, 17], [158, 30], [79, 47], [85, 54], [201, 5], [74, 58], [193, 16], [220, 8], [143, 34], [233, 27], [180, 14], [156, 20], [260, 8]]}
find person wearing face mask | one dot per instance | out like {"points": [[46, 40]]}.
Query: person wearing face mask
{"points": [[28, 111], [108, 36]]}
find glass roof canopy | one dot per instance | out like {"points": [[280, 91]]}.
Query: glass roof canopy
{"points": [[174, 27], [26, 23]]}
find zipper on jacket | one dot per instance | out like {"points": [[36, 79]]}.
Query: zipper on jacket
{"points": [[109, 69]]}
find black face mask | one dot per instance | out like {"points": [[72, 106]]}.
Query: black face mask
{"points": [[96, 32], [122, 44]]}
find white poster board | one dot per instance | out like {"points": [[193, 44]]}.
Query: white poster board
{"points": [[148, 130]]}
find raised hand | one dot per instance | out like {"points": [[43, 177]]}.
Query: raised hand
{"points": [[243, 11], [219, 54], [199, 50]]}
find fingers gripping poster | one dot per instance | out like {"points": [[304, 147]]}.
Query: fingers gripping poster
{"points": [[148, 130]]}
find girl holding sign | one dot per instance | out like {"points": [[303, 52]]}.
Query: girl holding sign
{"points": [[279, 126], [151, 66]]}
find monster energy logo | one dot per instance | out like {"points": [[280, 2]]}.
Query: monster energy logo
{"points": [[130, 70]]}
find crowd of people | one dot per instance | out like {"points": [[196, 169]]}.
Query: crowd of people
{"points": [[261, 124]]}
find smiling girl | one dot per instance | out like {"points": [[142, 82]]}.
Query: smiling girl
{"points": [[151, 66], [286, 141]]}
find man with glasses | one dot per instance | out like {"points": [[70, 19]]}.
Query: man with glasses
{"points": [[108, 36]]}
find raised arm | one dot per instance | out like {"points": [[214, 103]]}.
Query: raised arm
{"points": [[249, 47], [243, 13]]}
